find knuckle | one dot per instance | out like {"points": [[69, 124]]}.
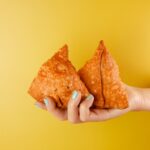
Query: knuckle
{"points": [[83, 113], [51, 109], [72, 104], [83, 107]]}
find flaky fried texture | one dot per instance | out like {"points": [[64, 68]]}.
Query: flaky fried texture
{"points": [[114, 91], [57, 78], [90, 74], [101, 76]]}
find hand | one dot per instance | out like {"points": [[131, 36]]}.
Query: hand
{"points": [[139, 98], [79, 112]]}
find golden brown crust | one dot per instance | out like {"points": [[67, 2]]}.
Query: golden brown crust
{"points": [[57, 78], [91, 76], [101, 76], [114, 91]]}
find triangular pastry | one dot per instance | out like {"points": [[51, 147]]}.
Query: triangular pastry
{"points": [[90, 74], [101, 77], [57, 78]]}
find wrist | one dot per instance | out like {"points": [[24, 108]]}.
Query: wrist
{"points": [[139, 98]]}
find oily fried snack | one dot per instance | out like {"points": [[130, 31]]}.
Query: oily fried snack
{"points": [[114, 91], [57, 78], [101, 77], [90, 74]]}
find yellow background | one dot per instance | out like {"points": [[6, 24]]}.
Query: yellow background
{"points": [[31, 31]]}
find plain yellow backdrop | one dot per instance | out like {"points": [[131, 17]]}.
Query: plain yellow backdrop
{"points": [[31, 31]]}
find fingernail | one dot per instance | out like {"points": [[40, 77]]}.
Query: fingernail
{"points": [[46, 101], [90, 96], [74, 95]]}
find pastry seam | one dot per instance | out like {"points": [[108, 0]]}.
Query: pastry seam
{"points": [[102, 79]]}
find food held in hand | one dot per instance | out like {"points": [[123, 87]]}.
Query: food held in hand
{"points": [[57, 78], [101, 77]]}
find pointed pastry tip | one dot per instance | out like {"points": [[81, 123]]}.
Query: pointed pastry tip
{"points": [[65, 47], [101, 45], [64, 51], [102, 42]]}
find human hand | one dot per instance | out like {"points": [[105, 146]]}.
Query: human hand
{"points": [[80, 111], [139, 98]]}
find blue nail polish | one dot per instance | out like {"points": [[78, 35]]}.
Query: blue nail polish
{"points": [[46, 101], [74, 95], [90, 96]]}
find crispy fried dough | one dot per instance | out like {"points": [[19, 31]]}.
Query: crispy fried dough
{"points": [[114, 91], [57, 78], [90, 74], [101, 77]]}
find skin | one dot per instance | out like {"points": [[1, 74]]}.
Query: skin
{"points": [[80, 112]]}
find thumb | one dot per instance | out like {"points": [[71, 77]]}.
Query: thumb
{"points": [[106, 114]]}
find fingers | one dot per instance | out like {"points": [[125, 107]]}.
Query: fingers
{"points": [[40, 105], [52, 108], [97, 114], [113, 113], [80, 112], [85, 108], [73, 111], [106, 114]]}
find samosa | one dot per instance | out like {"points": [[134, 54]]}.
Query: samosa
{"points": [[101, 77], [57, 78]]}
